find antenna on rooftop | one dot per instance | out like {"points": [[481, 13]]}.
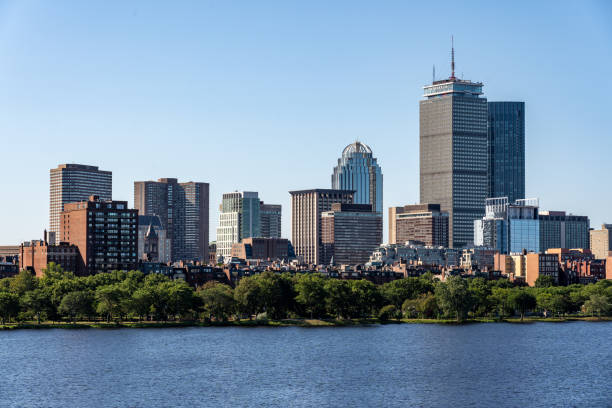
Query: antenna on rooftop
{"points": [[434, 74], [452, 57]]}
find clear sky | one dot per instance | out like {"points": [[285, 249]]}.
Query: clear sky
{"points": [[264, 95]]}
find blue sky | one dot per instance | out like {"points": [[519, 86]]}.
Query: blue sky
{"points": [[264, 95]]}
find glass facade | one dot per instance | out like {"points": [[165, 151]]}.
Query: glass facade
{"points": [[239, 218], [506, 150], [358, 170]]}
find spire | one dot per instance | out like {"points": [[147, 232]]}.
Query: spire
{"points": [[452, 57]]}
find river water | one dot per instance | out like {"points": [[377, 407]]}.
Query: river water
{"points": [[408, 365]]}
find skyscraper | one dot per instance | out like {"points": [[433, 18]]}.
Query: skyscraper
{"points": [[238, 218], [506, 145], [70, 183], [358, 170], [453, 153], [270, 220], [183, 210], [306, 209]]}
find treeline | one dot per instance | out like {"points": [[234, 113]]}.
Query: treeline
{"points": [[121, 296]]}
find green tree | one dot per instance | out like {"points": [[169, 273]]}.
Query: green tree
{"points": [[310, 288], [75, 304], [246, 296], [275, 294], [180, 298], [366, 298], [9, 306], [339, 298], [545, 281], [23, 282], [38, 302], [387, 313], [397, 291], [597, 304], [499, 299], [479, 291], [109, 299], [141, 302], [453, 297], [218, 300], [522, 301], [425, 306]]}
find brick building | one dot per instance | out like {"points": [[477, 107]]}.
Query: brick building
{"points": [[261, 248], [36, 255], [420, 222], [105, 233]]}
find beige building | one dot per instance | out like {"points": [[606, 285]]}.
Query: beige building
{"points": [[601, 241], [306, 209], [420, 222]]}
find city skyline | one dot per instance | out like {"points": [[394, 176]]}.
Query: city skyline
{"points": [[344, 106]]}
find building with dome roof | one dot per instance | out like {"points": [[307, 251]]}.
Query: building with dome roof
{"points": [[359, 171]]}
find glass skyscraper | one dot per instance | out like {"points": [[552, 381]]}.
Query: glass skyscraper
{"points": [[506, 145], [358, 170], [453, 153], [239, 218]]}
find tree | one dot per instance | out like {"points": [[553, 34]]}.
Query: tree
{"points": [[141, 302], [310, 288], [338, 299], [387, 313], [75, 304], [397, 291], [597, 304], [9, 306], [479, 291], [180, 298], [499, 299], [366, 298], [38, 302], [24, 281], [246, 295], [275, 294], [522, 301], [453, 296], [109, 300], [425, 306], [545, 281], [218, 300]]}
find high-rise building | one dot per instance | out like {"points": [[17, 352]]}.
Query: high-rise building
{"points": [[239, 218], [420, 222], [453, 153], [506, 146], [270, 215], [70, 183], [105, 232], [358, 170], [561, 230], [306, 209], [183, 210], [601, 241], [509, 227], [349, 233]]}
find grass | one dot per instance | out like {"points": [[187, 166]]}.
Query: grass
{"points": [[295, 322]]}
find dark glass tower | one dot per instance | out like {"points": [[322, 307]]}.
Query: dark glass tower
{"points": [[506, 143], [453, 153]]}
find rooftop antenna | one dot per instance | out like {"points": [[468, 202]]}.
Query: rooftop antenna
{"points": [[434, 74], [452, 57]]}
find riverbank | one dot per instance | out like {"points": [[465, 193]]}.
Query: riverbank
{"points": [[289, 323]]}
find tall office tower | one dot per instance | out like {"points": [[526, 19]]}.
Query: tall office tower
{"points": [[238, 218], [350, 233], [270, 220], [183, 210], [506, 144], [601, 241], [561, 230], [358, 170], [419, 222], [306, 209], [72, 183], [105, 232], [453, 153]]}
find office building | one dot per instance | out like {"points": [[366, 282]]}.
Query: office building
{"points": [[359, 171], [270, 220], [239, 218], [306, 209], [453, 153], [36, 255], [261, 249], [70, 183], [153, 242], [506, 150], [349, 233], [509, 227], [183, 211], [561, 230], [105, 232], [601, 241], [420, 222], [528, 267]]}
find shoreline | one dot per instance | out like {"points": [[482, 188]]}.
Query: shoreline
{"points": [[289, 323]]}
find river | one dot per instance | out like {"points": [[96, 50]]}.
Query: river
{"points": [[408, 365]]}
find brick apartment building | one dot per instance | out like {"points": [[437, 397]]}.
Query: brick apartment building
{"points": [[36, 255]]}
